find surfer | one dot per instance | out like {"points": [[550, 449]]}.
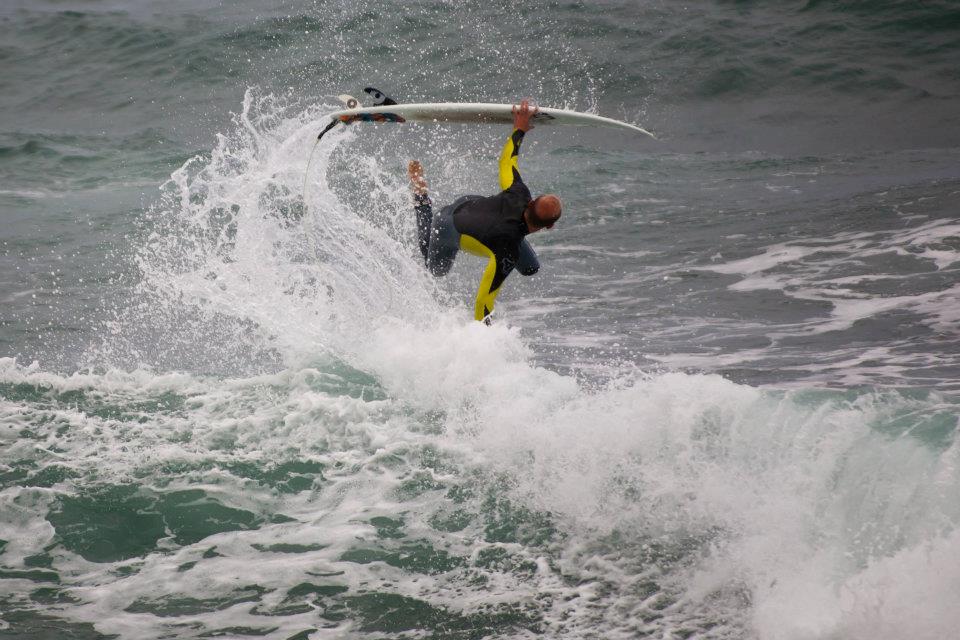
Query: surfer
{"points": [[493, 227]]}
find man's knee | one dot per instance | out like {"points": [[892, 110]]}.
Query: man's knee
{"points": [[439, 269], [439, 265]]}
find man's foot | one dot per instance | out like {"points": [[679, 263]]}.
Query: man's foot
{"points": [[417, 182]]}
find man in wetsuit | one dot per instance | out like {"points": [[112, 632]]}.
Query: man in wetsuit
{"points": [[493, 227]]}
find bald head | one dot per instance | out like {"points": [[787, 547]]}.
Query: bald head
{"points": [[543, 212]]}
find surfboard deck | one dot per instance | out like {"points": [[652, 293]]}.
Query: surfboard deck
{"points": [[472, 113]]}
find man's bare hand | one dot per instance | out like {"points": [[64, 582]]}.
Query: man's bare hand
{"points": [[522, 115]]}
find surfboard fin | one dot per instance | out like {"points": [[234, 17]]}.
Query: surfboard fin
{"points": [[379, 97]]}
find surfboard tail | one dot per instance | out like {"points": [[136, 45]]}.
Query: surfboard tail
{"points": [[380, 99]]}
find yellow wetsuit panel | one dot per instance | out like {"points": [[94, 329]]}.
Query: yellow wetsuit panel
{"points": [[485, 296], [509, 157]]}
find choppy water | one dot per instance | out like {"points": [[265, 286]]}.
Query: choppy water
{"points": [[725, 408]]}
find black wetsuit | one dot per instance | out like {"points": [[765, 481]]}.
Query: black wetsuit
{"points": [[492, 227]]}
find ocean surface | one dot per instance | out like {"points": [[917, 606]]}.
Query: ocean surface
{"points": [[233, 404]]}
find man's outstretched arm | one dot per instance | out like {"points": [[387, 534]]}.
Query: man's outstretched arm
{"points": [[509, 157]]}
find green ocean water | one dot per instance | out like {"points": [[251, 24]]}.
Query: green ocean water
{"points": [[725, 408]]}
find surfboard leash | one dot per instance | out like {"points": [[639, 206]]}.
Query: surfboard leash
{"points": [[332, 124]]}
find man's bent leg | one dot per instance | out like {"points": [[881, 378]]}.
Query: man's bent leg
{"points": [[424, 209], [422, 206], [444, 242]]}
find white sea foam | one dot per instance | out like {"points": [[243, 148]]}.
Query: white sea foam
{"points": [[787, 485], [806, 278], [792, 500]]}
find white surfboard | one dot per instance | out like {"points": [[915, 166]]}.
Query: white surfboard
{"points": [[474, 112]]}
